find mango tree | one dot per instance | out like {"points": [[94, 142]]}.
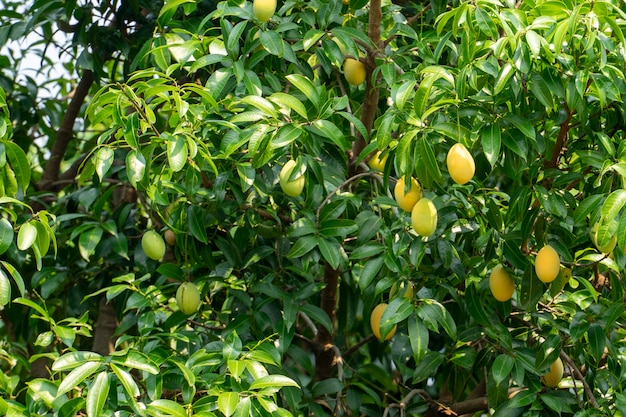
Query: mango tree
{"points": [[381, 208]]}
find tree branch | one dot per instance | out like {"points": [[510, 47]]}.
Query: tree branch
{"points": [[370, 104], [65, 133], [325, 359], [579, 375]]}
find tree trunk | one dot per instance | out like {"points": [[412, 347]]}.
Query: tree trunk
{"points": [[103, 339], [325, 357]]}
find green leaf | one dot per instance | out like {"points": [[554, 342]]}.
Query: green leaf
{"points": [[136, 360], [103, 160], [428, 158], [88, 241], [433, 312], [331, 251], [586, 207], [127, 380], [540, 89], [6, 235], [367, 251], [273, 43], [491, 141], [502, 367], [19, 163], [522, 124], [423, 94], [397, 310], [369, 271], [171, 5], [338, 227], [496, 393], [227, 402], [167, 407], [290, 102], [306, 87], [303, 246], [135, 167], [273, 381], [5, 289], [196, 223], [474, 304], [613, 204], [428, 366], [418, 337], [503, 78], [177, 152], [532, 289], [97, 395], [17, 277], [74, 359], [262, 104], [597, 340], [26, 236], [329, 130], [77, 375]]}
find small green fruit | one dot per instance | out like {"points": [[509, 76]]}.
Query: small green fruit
{"points": [[294, 187], [263, 9], [188, 298], [153, 245]]}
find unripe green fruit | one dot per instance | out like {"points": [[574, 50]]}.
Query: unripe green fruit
{"points": [[153, 245], [188, 298], [294, 187], [263, 9]]}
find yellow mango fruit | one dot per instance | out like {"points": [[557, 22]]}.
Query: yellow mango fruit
{"points": [[547, 264], [461, 166], [424, 217]]}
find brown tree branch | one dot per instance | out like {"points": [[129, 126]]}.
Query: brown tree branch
{"points": [[560, 141], [325, 358], [370, 104], [578, 374], [65, 133]]}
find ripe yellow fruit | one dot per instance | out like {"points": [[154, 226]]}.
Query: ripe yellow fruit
{"points": [[407, 200], [375, 162], [555, 374], [354, 71], [377, 313], [547, 264], [405, 289], [153, 245], [294, 187], [501, 283], [460, 163], [170, 237], [610, 245], [424, 217], [188, 298], [263, 9]]}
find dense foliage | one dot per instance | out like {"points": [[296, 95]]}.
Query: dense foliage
{"points": [[179, 116]]}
